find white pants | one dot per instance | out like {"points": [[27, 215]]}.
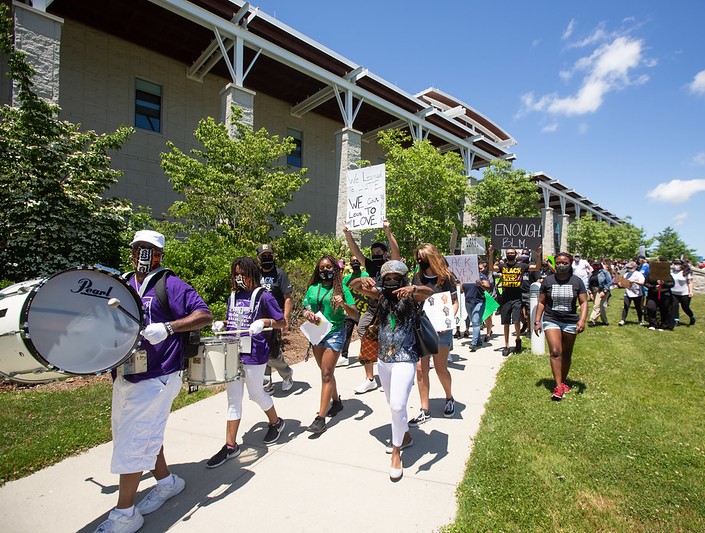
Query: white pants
{"points": [[253, 378], [397, 380], [139, 414]]}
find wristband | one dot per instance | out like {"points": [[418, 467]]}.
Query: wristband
{"points": [[169, 328], [537, 323]]}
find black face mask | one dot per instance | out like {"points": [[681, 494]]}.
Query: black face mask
{"points": [[391, 284], [267, 265], [355, 265], [326, 275], [511, 257], [378, 259], [562, 269], [423, 265]]}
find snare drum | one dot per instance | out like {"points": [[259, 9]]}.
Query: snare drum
{"points": [[61, 325], [218, 361]]}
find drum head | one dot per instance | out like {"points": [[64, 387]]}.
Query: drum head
{"points": [[68, 324]]}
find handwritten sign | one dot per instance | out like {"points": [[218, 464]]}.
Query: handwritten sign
{"points": [[464, 267], [473, 245], [439, 309], [367, 206], [659, 270], [516, 233]]}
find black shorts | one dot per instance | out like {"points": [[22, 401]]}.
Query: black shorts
{"points": [[510, 311]]}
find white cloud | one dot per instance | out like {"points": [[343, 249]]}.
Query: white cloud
{"points": [[583, 128], [550, 128], [680, 218], [676, 191], [699, 158], [569, 30], [606, 70], [697, 86]]}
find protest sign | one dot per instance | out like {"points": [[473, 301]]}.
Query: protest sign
{"points": [[464, 267], [516, 233], [473, 245], [439, 309], [659, 270], [367, 206]]}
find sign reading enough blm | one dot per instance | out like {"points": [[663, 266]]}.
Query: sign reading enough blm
{"points": [[367, 207], [516, 233]]}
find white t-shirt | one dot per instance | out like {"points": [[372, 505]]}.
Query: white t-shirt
{"points": [[582, 270], [681, 286], [634, 291]]}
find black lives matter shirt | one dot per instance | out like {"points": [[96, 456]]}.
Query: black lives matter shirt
{"points": [[511, 277]]}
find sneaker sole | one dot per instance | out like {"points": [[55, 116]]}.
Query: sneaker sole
{"points": [[388, 449], [231, 456], [448, 415], [176, 492]]}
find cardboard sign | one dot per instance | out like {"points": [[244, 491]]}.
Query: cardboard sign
{"points": [[439, 309], [659, 270], [473, 245], [367, 204], [464, 267], [516, 233]]}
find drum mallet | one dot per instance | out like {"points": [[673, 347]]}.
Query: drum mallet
{"points": [[115, 304]]}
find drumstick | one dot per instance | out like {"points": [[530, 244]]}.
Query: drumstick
{"points": [[115, 304], [235, 331]]}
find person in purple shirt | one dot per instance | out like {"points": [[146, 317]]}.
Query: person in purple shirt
{"points": [[251, 308], [142, 402]]}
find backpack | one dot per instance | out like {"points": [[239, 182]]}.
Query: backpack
{"points": [[192, 339]]}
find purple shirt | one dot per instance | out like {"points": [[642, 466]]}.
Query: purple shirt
{"points": [[240, 318], [167, 356]]}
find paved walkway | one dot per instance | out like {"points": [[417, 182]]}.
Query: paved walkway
{"points": [[337, 481]]}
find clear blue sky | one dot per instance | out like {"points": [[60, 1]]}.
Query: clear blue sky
{"points": [[606, 96]]}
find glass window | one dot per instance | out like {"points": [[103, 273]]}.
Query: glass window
{"points": [[295, 157], [148, 106]]}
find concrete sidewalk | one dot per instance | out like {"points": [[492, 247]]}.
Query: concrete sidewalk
{"points": [[336, 481]]}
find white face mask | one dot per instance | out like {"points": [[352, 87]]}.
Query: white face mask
{"points": [[240, 282]]}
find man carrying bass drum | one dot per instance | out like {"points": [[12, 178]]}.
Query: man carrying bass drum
{"points": [[142, 402]]}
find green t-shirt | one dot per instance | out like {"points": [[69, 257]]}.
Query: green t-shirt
{"points": [[320, 299], [360, 299]]}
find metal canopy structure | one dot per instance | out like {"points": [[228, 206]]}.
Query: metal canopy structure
{"points": [[566, 201], [240, 43]]}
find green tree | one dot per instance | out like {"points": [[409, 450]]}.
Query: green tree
{"points": [[52, 215], [670, 246], [426, 191], [502, 192], [590, 237], [625, 240], [233, 185]]}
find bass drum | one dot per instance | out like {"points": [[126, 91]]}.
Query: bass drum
{"points": [[62, 325]]}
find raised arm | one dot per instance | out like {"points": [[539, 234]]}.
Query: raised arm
{"points": [[393, 245], [354, 248]]}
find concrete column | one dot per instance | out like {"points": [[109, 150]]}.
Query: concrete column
{"points": [[548, 240], [38, 34], [241, 97], [565, 221], [348, 152]]}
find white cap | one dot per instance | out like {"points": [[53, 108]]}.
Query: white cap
{"points": [[152, 237]]}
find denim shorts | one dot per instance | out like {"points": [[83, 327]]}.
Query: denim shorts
{"points": [[334, 340], [445, 338], [563, 326]]}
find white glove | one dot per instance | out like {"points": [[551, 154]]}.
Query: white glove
{"points": [[218, 326], [155, 333], [256, 327]]}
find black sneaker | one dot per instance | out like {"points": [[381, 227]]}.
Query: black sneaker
{"points": [[274, 431], [517, 348], [466, 334], [692, 320], [223, 455], [424, 415], [449, 409], [335, 407], [318, 425], [505, 351]]}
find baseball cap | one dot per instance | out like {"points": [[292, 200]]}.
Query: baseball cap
{"points": [[149, 236], [264, 249], [393, 267], [378, 245]]}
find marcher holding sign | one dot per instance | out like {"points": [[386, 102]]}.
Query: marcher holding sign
{"points": [[434, 273], [511, 275], [367, 206]]}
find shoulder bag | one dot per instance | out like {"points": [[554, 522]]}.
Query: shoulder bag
{"points": [[426, 334], [369, 343]]}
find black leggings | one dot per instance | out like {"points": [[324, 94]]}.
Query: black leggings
{"points": [[684, 301], [637, 305], [663, 306]]}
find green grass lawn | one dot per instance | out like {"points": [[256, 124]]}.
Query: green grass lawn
{"points": [[41, 427], [624, 451]]}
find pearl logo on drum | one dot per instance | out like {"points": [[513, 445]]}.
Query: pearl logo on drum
{"points": [[85, 286]]}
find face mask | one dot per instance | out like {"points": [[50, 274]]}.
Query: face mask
{"points": [[423, 265], [377, 259], [147, 259], [677, 267], [511, 257], [326, 275], [268, 264], [240, 282], [355, 265], [562, 269], [391, 284]]}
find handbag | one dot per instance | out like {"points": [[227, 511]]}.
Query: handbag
{"points": [[426, 334], [369, 344]]}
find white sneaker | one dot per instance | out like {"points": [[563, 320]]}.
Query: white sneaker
{"points": [[288, 382], [367, 386], [119, 523], [430, 361], [342, 361], [450, 358], [160, 494]]}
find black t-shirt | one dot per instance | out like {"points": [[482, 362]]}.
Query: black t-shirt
{"points": [[561, 298], [512, 277], [446, 285], [277, 282], [373, 267]]}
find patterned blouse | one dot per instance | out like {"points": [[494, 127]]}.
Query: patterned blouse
{"points": [[397, 342]]}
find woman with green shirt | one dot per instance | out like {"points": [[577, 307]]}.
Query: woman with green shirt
{"points": [[327, 294]]}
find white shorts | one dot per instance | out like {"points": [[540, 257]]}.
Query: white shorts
{"points": [[140, 411]]}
